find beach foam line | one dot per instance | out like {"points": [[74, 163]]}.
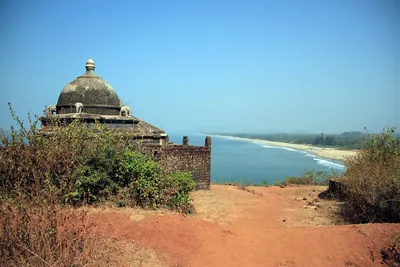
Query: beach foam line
{"points": [[320, 161], [231, 138], [305, 153], [328, 163], [279, 147]]}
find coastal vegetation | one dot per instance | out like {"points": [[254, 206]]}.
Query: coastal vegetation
{"points": [[371, 183], [45, 179], [347, 140], [307, 178]]}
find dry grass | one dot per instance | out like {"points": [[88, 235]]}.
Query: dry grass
{"points": [[217, 206], [129, 254], [40, 235], [28, 239], [371, 184], [134, 213]]}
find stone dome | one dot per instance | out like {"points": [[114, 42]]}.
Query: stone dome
{"points": [[96, 95]]}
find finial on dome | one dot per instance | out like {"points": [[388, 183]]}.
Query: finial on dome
{"points": [[90, 65]]}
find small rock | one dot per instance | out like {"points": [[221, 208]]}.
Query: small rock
{"points": [[304, 198], [283, 220]]}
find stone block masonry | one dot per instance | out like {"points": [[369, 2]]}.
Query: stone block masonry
{"points": [[195, 159]]}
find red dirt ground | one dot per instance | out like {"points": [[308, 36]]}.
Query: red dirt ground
{"points": [[259, 227]]}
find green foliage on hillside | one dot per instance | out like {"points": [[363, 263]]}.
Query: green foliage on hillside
{"points": [[309, 178], [82, 165], [43, 177]]}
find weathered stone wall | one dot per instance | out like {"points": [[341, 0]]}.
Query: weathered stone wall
{"points": [[147, 142], [196, 159]]}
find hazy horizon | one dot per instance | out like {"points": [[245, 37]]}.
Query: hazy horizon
{"points": [[212, 66], [294, 132]]}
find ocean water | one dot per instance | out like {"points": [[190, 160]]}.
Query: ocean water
{"points": [[253, 162]]}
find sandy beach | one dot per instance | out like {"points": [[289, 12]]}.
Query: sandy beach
{"points": [[330, 153]]}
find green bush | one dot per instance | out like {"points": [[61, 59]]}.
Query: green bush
{"points": [[81, 165], [176, 190], [309, 178], [371, 183], [150, 187], [142, 175]]}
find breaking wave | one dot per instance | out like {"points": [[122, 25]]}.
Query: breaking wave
{"points": [[320, 161], [329, 164]]}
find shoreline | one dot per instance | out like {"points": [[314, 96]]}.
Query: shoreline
{"points": [[329, 153]]}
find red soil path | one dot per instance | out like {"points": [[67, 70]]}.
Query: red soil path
{"points": [[233, 227]]}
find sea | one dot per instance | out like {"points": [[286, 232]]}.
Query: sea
{"points": [[248, 161]]}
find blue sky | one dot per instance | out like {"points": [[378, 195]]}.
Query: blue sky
{"points": [[206, 66]]}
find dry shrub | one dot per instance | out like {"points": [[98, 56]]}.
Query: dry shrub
{"points": [[36, 176], [43, 177], [43, 234], [73, 165], [371, 183]]}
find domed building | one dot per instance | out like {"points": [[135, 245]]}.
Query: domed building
{"points": [[89, 99]]}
